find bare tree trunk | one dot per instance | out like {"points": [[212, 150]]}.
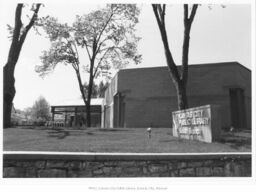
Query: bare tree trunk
{"points": [[9, 93], [89, 96], [88, 111], [182, 96], [179, 78], [14, 52]]}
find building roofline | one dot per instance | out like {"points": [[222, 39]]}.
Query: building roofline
{"points": [[220, 64]]}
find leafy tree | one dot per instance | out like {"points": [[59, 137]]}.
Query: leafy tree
{"points": [[102, 88], [28, 113], [107, 35], [41, 109], [97, 90], [179, 78], [19, 34]]}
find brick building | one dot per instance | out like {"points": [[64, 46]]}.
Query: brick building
{"points": [[144, 97]]}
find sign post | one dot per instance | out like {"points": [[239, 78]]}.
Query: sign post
{"points": [[199, 123]]}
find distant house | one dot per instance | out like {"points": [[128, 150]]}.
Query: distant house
{"points": [[146, 97], [73, 112]]}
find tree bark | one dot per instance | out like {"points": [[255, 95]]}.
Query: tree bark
{"points": [[89, 95], [182, 96], [14, 52], [179, 78], [9, 93], [8, 72]]}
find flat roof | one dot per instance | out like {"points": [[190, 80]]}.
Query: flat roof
{"points": [[220, 64], [78, 102]]}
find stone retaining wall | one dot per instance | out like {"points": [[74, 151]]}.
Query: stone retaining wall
{"points": [[43, 165]]}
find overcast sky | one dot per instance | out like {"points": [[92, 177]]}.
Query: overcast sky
{"points": [[218, 35]]}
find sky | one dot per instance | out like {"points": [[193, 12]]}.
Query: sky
{"points": [[217, 35]]}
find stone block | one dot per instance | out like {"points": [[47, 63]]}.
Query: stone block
{"points": [[98, 172], [145, 170], [208, 163], [40, 164], [158, 168], [131, 169], [239, 170], [79, 173], [107, 170], [189, 172], [25, 163], [75, 165], [117, 171], [217, 172], [52, 173], [95, 165], [166, 174], [203, 171], [13, 172], [195, 164], [9, 163], [126, 163], [229, 169], [216, 163], [55, 164], [174, 173], [173, 165], [181, 165], [246, 168], [110, 163], [31, 172], [140, 163]]}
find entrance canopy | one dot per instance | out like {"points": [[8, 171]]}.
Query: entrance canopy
{"points": [[73, 112]]}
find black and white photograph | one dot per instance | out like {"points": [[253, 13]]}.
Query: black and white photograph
{"points": [[127, 90]]}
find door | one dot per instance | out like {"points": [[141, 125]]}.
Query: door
{"points": [[237, 107], [119, 110]]}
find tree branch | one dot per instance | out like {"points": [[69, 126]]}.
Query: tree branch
{"points": [[99, 46], [87, 49], [100, 62], [193, 13], [30, 24], [185, 48], [163, 14], [157, 15], [185, 11], [13, 53], [103, 29]]}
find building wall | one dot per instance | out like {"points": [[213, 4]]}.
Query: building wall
{"points": [[109, 102], [150, 95]]}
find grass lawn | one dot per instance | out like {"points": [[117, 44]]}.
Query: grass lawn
{"points": [[124, 140]]}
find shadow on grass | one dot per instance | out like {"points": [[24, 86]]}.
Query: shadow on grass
{"points": [[169, 140], [59, 134], [111, 130], [37, 128], [236, 142], [62, 133]]}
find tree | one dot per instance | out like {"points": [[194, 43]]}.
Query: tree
{"points": [[102, 88], [19, 33], [179, 78], [28, 113], [108, 37], [98, 91], [41, 109]]}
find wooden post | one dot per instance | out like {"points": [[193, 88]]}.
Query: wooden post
{"points": [[65, 123], [75, 116], [53, 113]]}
